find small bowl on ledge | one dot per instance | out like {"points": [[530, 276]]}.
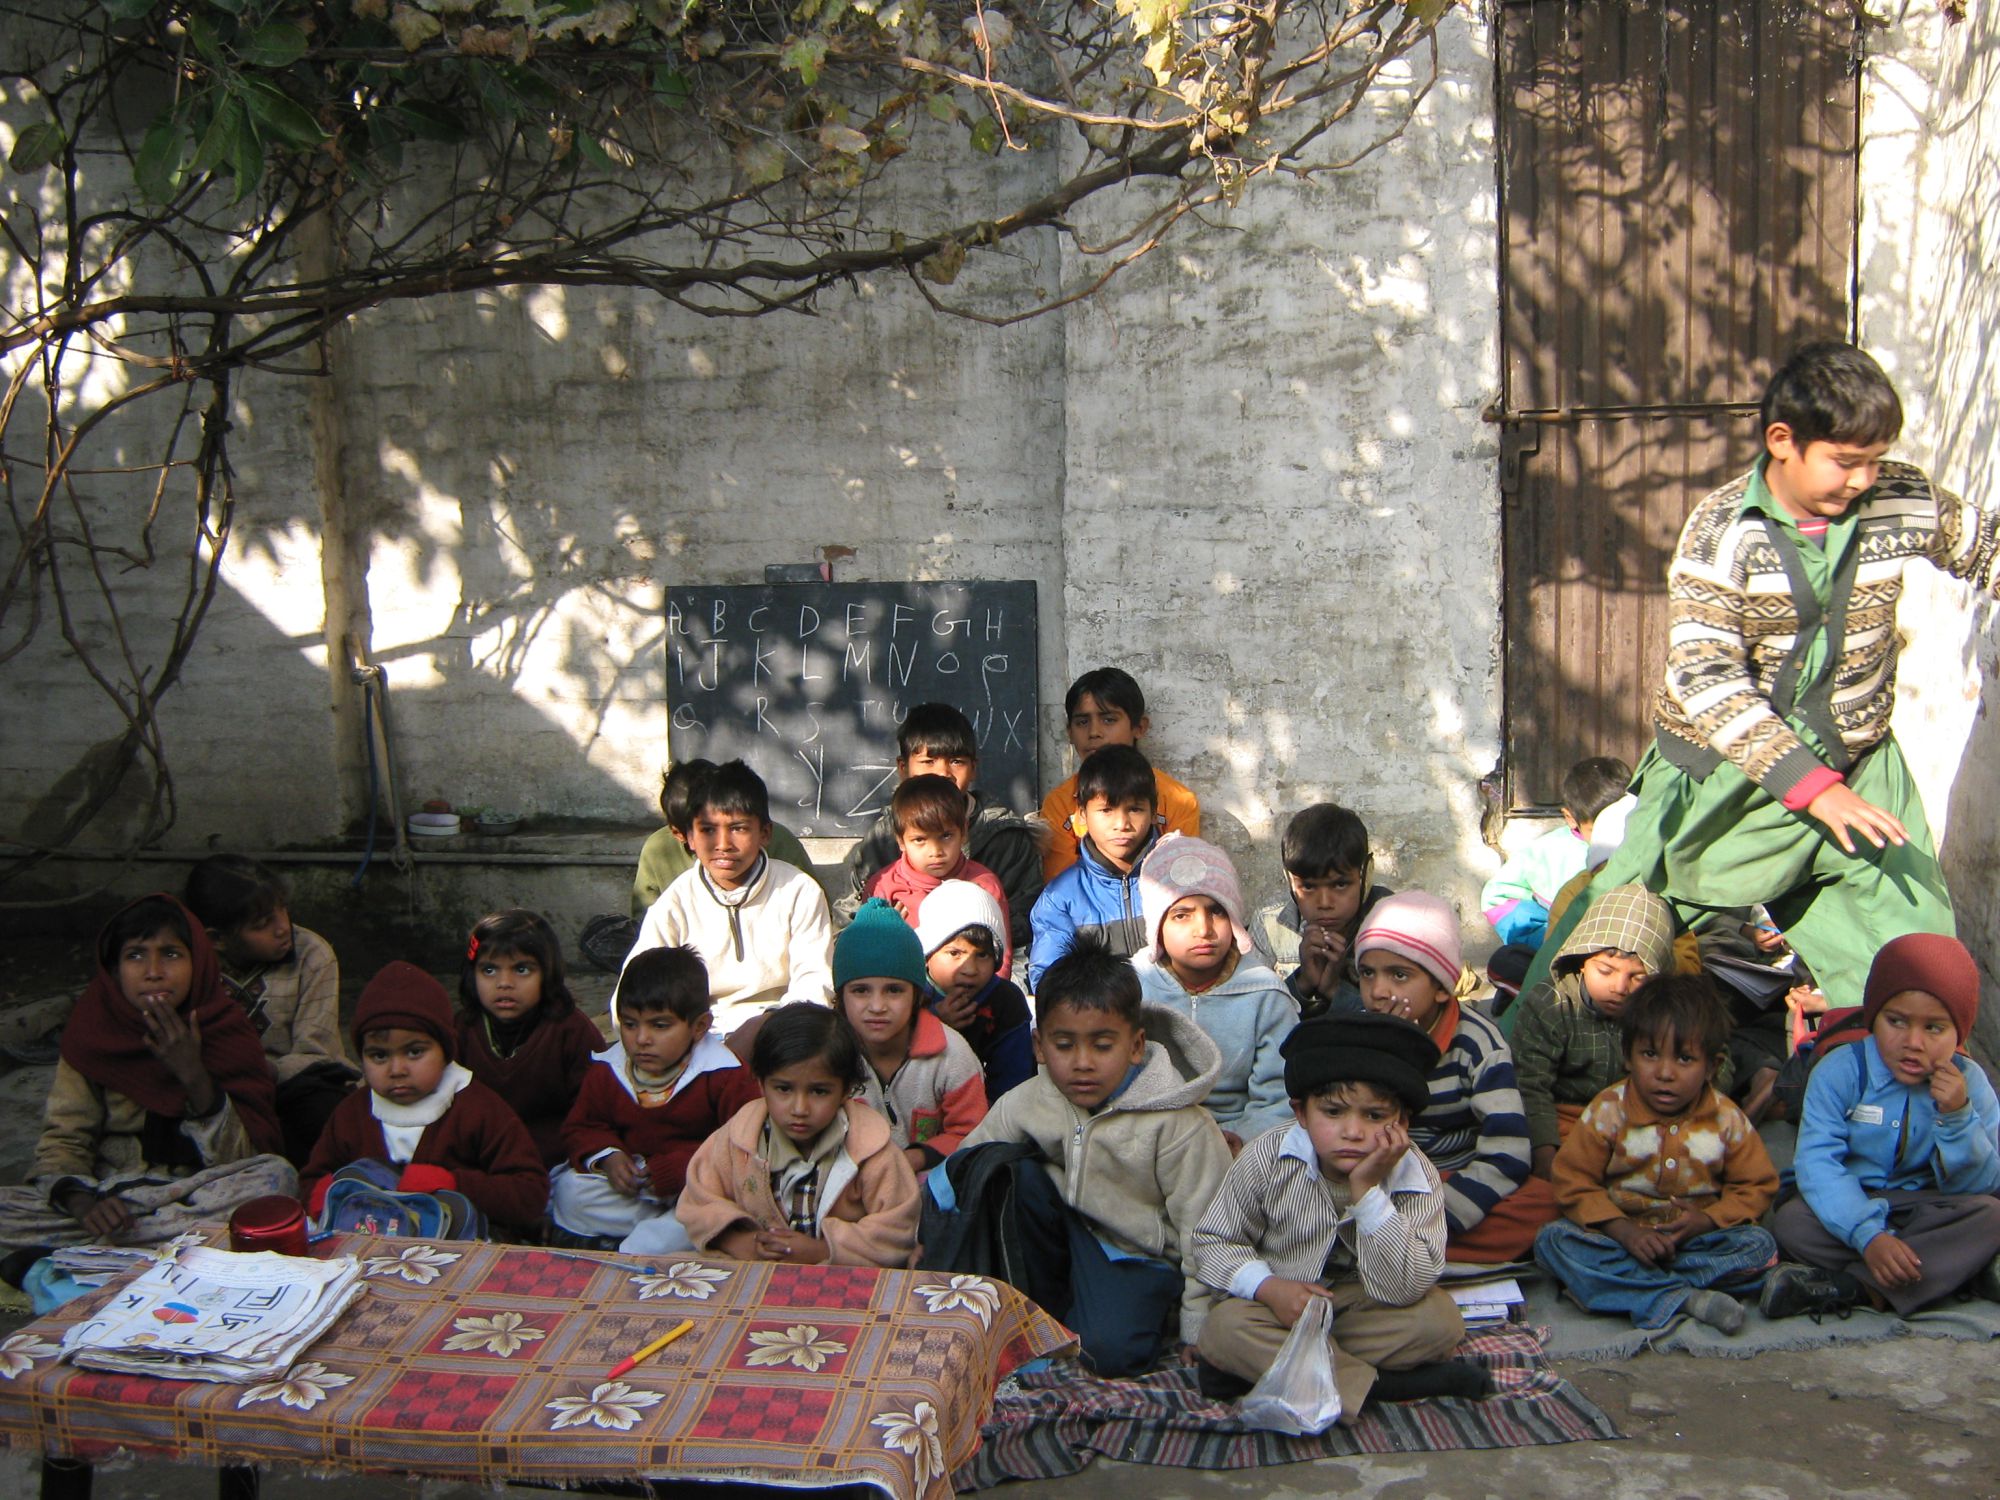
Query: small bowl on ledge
{"points": [[494, 824], [434, 825]]}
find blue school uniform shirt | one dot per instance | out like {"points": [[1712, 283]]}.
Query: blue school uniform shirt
{"points": [[1861, 1131]]}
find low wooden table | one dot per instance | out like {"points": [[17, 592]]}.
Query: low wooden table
{"points": [[489, 1363]]}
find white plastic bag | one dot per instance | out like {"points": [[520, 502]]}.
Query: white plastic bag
{"points": [[1297, 1393]]}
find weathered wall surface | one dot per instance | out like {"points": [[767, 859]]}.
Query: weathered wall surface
{"points": [[1282, 508], [1930, 277]]}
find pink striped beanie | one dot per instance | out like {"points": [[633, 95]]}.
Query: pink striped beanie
{"points": [[1421, 927]]}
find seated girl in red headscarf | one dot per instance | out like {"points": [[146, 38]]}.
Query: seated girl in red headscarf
{"points": [[163, 1111]]}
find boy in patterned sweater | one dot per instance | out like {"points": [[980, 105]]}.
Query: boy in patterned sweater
{"points": [[1773, 776], [1663, 1179], [1472, 1127], [1339, 1205]]}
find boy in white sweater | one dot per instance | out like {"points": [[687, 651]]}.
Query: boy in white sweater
{"points": [[759, 924]]}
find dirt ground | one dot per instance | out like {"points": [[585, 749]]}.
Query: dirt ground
{"points": [[1907, 1418]]}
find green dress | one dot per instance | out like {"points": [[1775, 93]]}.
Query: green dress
{"points": [[1722, 841]]}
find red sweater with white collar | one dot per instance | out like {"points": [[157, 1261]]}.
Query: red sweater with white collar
{"points": [[608, 1116]]}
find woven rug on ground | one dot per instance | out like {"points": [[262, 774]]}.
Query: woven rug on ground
{"points": [[1055, 1421], [491, 1363]]}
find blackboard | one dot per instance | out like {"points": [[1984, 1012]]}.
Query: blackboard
{"points": [[808, 681]]}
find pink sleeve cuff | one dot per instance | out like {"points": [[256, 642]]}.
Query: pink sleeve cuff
{"points": [[1810, 786]]}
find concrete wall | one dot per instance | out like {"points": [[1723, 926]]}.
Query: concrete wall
{"points": [[1282, 506], [1251, 470], [1930, 277]]}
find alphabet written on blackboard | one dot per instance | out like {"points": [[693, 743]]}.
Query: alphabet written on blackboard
{"points": [[810, 683]]}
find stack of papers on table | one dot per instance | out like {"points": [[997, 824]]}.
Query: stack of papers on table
{"points": [[217, 1315], [93, 1265], [1484, 1303]]}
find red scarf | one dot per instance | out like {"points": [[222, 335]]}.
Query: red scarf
{"points": [[105, 1041]]}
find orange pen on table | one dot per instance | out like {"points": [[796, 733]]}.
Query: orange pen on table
{"points": [[651, 1349]]}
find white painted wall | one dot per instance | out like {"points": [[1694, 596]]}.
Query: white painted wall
{"points": [[1930, 309], [1252, 471]]}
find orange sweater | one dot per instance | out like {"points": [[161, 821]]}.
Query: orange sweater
{"points": [[1176, 809]]}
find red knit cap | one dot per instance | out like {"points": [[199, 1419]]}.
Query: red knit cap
{"points": [[1933, 963], [403, 997]]}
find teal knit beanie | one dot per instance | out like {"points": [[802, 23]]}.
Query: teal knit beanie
{"points": [[877, 944]]}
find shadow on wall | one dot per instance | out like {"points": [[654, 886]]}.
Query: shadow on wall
{"points": [[1667, 238]]}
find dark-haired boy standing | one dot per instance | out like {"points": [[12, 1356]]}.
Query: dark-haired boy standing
{"points": [[1773, 776]]}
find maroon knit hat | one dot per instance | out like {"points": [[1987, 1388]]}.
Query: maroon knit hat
{"points": [[1933, 963], [404, 998]]}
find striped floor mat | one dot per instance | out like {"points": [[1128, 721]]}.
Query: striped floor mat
{"points": [[1055, 1422]]}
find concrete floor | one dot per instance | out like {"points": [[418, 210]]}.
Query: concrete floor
{"points": [[1909, 1418]]}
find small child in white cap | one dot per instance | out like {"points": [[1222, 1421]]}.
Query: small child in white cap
{"points": [[963, 931], [1198, 960]]}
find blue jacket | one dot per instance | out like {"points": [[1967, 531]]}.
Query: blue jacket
{"points": [[1899, 1140], [1089, 896], [1247, 1016]]}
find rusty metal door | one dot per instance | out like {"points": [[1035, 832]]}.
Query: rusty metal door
{"points": [[1677, 212]]}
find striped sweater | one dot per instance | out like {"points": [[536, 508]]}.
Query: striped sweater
{"points": [[1277, 1214], [1737, 627], [1474, 1127]]}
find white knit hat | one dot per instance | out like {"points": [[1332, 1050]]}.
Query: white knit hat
{"points": [[954, 906], [1181, 866]]}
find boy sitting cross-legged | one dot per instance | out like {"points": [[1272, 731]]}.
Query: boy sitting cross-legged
{"points": [[936, 739], [1339, 1206], [668, 852], [1663, 1179], [1472, 1127], [1120, 1159], [931, 815], [648, 1102], [1100, 892], [1311, 936], [759, 924]]}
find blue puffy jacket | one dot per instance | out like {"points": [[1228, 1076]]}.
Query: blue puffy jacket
{"points": [[1089, 896]]}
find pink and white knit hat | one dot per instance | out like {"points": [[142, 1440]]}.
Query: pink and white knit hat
{"points": [[1421, 927], [1182, 866]]}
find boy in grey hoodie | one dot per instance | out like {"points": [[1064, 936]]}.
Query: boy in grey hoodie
{"points": [[1199, 961], [1128, 1161]]}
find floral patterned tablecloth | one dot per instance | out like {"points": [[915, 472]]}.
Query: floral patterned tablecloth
{"points": [[491, 1362]]}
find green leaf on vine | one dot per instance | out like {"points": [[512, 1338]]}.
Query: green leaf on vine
{"points": [[157, 169], [281, 115], [986, 136], [943, 108], [804, 55], [36, 146], [277, 45], [430, 122], [127, 10], [670, 85], [217, 150], [763, 162], [246, 163]]}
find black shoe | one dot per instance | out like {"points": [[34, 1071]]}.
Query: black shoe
{"points": [[1218, 1384], [1447, 1377], [15, 1267], [1792, 1289]]}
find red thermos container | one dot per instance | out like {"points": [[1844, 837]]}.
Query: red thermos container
{"points": [[274, 1223]]}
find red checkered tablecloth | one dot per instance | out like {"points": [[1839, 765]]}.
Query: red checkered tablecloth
{"points": [[490, 1363]]}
